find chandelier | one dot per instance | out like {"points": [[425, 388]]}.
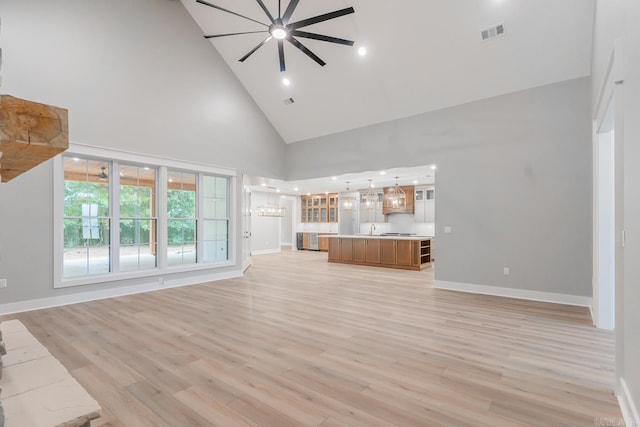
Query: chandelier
{"points": [[271, 209], [396, 198], [347, 202], [370, 198]]}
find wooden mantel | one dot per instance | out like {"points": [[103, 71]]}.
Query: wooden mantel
{"points": [[30, 133]]}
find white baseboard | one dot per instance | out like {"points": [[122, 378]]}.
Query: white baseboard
{"points": [[514, 293], [266, 251], [628, 406], [41, 303], [285, 244]]}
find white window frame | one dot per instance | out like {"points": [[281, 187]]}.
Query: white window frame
{"points": [[162, 164]]}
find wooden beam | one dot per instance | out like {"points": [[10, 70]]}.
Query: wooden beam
{"points": [[30, 133]]}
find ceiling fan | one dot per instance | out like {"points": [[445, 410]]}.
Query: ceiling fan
{"points": [[281, 29], [103, 174]]}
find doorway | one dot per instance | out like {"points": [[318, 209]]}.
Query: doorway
{"points": [[604, 249], [246, 223]]}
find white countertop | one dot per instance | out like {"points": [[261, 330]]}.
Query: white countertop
{"points": [[367, 236]]}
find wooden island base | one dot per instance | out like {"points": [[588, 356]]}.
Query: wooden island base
{"points": [[407, 253]]}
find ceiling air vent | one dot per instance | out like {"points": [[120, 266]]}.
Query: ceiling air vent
{"points": [[493, 31], [289, 101]]}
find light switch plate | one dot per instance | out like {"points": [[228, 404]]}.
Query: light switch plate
{"points": [[447, 229], [3, 283]]}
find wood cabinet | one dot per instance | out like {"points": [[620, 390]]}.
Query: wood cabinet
{"points": [[334, 250], [333, 208], [305, 241], [392, 253], [403, 252], [372, 251], [360, 250], [408, 208], [346, 249], [319, 208], [323, 243], [424, 252], [388, 252]]}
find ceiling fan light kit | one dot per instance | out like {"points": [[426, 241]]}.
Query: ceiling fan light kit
{"points": [[281, 29]]}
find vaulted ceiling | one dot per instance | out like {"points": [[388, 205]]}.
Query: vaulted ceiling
{"points": [[423, 55]]}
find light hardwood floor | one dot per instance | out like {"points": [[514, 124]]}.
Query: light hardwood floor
{"points": [[299, 341]]}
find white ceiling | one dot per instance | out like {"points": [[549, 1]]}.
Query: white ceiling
{"points": [[423, 55], [419, 175]]}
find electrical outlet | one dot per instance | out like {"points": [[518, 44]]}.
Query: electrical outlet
{"points": [[506, 271], [3, 283], [160, 280]]}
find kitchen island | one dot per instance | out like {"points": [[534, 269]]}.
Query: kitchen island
{"points": [[405, 252]]}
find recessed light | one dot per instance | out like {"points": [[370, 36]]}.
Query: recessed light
{"points": [[308, 194], [75, 159], [263, 184], [334, 178], [295, 189], [383, 173], [146, 168], [277, 190], [373, 186], [326, 192], [286, 81], [433, 167], [362, 51], [415, 181]]}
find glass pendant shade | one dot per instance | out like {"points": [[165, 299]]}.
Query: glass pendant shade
{"points": [[346, 201], [396, 198], [370, 199], [271, 209]]}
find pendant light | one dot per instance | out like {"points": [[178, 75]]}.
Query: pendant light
{"points": [[271, 209], [370, 198], [396, 198], [347, 202]]}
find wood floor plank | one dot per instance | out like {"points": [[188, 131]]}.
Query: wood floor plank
{"points": [[298, 341]]}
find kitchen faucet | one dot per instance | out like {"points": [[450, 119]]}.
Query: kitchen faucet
{"points": [[373, 227]]}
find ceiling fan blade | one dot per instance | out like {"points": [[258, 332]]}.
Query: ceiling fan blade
{"points": [[266, 11], [281, 55], [232, 34], [320, 18], [306, 51], [254, 49], [279, 9], [228, 11], [287, 13], [322, 38]]}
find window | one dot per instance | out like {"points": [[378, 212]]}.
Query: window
{"points": [[430, 195], [215, 219], [87, 223], [113, 226], [138, 221], [181, 218]]}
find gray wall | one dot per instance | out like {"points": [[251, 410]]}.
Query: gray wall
{"points": [[136, 76], [513, 178], [286, 223], [619, 19], [265, 231]]}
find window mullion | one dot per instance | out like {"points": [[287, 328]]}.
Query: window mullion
{"points": [[114, 211], [161, 215], [199, 222]]}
